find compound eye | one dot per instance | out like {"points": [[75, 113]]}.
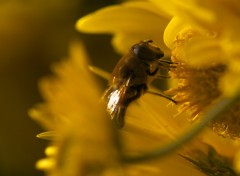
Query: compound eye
{"points": [[142, 51], [147, 52], [159, 54], [136, 50]]}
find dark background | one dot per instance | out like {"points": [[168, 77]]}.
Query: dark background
{"points": [[33, 35]]}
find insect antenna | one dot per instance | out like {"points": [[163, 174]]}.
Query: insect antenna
{"points": [[161, 95]]}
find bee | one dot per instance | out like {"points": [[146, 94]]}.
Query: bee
{"points": [[131, 77]]}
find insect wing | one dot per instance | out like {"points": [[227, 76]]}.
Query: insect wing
{"points": [[114, 98]]}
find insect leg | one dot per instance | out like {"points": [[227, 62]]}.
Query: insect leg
{"points": [[165, 61], [166, 66], [163, 77], [119, 120], [131, 94], [169, 64], [161, 95], [152, 73]]}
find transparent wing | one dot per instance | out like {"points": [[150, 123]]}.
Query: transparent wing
{"points": [[114, 97]]}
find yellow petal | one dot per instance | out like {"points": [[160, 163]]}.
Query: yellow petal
{"points": [[39, 113], [188, 10], [124, 41], [121, 18], [51, 151], [149, 125], [230, 84], [236, 162], [164, 167], [130, 22], [174, 27], [140, 142], [217, 15], [204, 51], [49, 135], [149, 7], [167, 6], [102, 73], [159, 115], [46, 164]]}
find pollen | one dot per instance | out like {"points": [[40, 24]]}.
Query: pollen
{"points": [[198, 88], [228, 124]]}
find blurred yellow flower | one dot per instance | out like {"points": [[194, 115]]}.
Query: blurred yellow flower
{"points": [[83, 140]]}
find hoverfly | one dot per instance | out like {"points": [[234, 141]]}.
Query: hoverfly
{"points": [[131, 77]]}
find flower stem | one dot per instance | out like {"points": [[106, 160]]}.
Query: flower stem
{"points": [[170, 147]]}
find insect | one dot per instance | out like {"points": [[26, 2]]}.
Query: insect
{"points": [[131, 77]]}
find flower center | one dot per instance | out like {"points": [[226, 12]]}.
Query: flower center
{"points": [[198, 88]]}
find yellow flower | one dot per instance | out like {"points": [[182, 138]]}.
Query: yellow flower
{"points": [[83, 140], [130, 22], [217, 41], [203, 40], [206, 50]]}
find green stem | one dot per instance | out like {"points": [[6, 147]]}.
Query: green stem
{"points": [[169, 147]]}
